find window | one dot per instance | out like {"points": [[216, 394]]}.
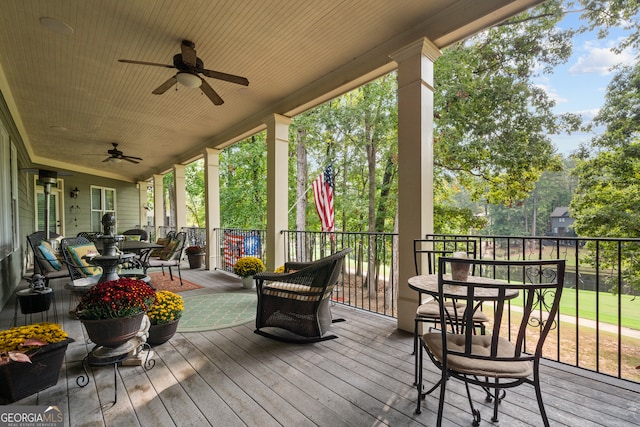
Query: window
{"points": [[560, 219], [8, 195], [103, 201]]}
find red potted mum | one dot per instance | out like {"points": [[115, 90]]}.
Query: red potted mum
{"points": [[112, 312]]}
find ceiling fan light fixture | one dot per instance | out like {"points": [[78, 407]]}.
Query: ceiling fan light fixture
{"points": [[114, 160], [188, 79]]}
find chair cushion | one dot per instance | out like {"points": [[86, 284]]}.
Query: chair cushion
{"points": [[431, 310], [294, 291], [51, 260], [480, 346], [78, 252]]}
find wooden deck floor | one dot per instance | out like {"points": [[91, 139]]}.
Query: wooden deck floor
{"points": [[233, 377]]}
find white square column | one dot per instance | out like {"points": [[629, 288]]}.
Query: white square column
{"points": [[277, 187], [415, 163], [212, 205], [180, 196], [158, 203]]}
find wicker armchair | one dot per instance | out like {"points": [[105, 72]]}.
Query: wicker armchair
{"points": [[298, 300]]}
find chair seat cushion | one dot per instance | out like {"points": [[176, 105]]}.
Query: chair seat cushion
{"points": [[480, 346], [294, 291], [431, 310]]}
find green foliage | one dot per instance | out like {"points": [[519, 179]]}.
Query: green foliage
{"points": [[194, 181], [243, 195], [492, 123]]}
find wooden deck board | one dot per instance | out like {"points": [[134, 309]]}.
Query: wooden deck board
{"points": [[233, 377]]}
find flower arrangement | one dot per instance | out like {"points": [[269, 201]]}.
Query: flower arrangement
{"points": [[248, 266], [191, 250], [16, 342], [167, 308], [116, 298]]}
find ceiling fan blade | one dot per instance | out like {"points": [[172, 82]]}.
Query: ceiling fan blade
{"points": [[130, 159], [165, 86], [188, 52], [155, 64], [226, 77], [107, 159], [213, 96]]}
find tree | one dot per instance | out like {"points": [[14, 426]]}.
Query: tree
{"points": [[492, 122]]}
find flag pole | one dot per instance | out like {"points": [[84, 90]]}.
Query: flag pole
{"points": [[300, 198], [305, 192]]}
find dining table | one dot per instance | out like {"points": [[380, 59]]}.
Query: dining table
{"points": [[429, 284], [140, 249]]}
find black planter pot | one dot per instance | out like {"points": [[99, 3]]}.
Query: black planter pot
{"points": [[31, 301]]}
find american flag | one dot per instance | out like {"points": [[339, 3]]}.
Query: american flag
{"points": [[323, 196]]}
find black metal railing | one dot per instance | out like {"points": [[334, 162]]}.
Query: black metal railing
{"points": [[599, 323]]}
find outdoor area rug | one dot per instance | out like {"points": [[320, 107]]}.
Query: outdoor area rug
{"points": [[217, 311], [164, 283]]}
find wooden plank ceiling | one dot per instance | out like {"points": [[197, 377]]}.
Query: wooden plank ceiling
{"points": [[72, 99]]}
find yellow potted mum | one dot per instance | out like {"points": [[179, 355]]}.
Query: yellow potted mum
{"points": [[164, 316], [246, 267], [30, 359]]}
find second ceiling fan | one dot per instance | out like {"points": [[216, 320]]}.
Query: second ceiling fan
{"points": [[189, 67]]}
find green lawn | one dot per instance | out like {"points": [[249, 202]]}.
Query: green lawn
{"points": [[607, 304]]}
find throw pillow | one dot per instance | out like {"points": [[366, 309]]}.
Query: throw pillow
{"points": [[161, 241], [169, 250], [78, 252], [132, 237], [51, 260]]}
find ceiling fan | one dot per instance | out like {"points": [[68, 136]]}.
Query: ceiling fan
{"points": [[116, 156], [189, 66]]}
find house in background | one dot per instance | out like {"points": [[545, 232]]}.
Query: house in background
{"points": [[561, 222]]}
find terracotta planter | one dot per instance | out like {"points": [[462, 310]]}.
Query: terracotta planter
{"points": [[113, 332], [159, 334], [195, 260], [248, 282], [19, 380]]}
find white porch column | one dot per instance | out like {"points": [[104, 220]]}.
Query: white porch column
{"points": [[277, 187], [158, 203], [415, 163], [180, 196], [212, 205], [142, 203]]}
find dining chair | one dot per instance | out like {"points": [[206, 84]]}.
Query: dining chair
{"points": [[46, 260], [171, 257], [83, 275], [523, 312], [137, 234], [425, 254]]}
